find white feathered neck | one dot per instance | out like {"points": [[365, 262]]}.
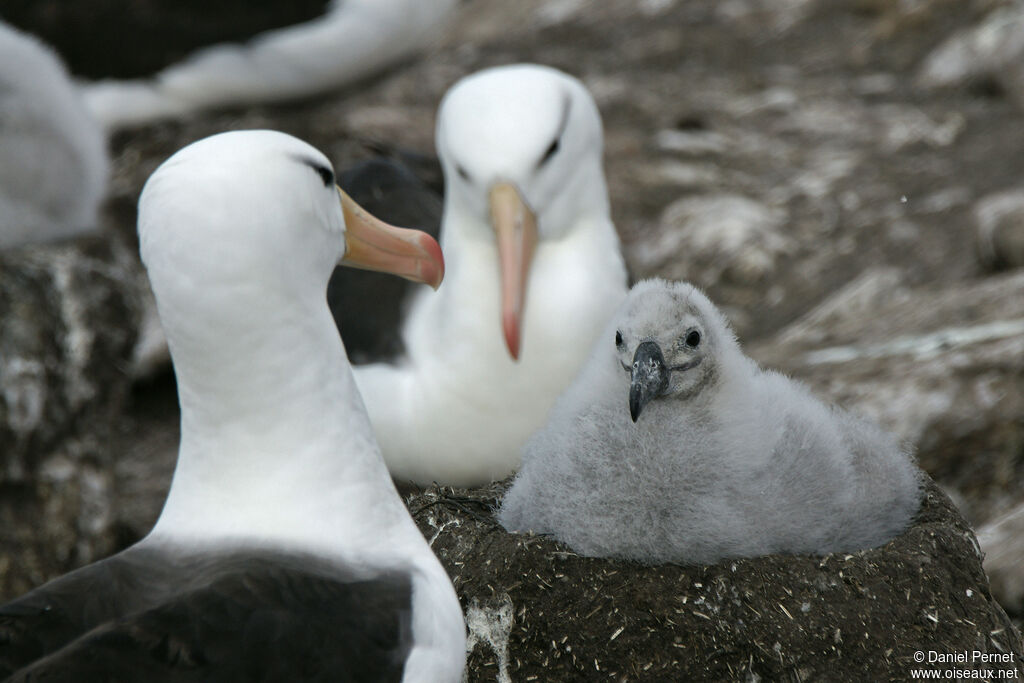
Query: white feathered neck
{"points": [[276, 447]]}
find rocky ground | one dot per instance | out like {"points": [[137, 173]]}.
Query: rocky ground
{"points": [[844, 178]]}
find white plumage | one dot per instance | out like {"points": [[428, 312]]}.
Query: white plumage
{"points": [[277, 466], [276, 446], [353, 39], [724, 459], [53, 158], [534, 270]]}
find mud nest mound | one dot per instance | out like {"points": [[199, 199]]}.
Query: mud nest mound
{"points": [[537, 611]]}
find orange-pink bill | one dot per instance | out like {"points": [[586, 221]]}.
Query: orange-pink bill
{"points": [[372, 244], [516, 228]]}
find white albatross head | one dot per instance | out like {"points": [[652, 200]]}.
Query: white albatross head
{"points": [[212, 215], [520, 147]]}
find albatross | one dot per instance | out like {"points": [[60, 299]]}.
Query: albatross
{"points": [[53, 153], [351, 40], [534, 270], [283, 551], [673, 446]]}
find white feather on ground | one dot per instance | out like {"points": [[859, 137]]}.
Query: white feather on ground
{"points": [[727, 460], [53, 157]]}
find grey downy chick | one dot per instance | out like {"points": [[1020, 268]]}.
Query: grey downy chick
{"points": [[672, 446]]}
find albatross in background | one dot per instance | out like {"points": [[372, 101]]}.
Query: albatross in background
{"points": [[283, 551], [672, 446], [534, 270], [352, 40], [53, 154]]}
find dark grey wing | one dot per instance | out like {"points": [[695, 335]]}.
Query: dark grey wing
{"points": [[47, 618], [266, 622], [371, 304]]}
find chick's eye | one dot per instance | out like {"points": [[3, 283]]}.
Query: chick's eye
{"points": [[618, 338], [693, 339]]}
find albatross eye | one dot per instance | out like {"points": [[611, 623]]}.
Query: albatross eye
{"points": [[618, 338], [551, 151], [326, 174], [693, 339], [463, 173]]}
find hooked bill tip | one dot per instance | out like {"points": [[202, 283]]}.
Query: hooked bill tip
{"points": [[432, 268], [635, 404], [510, 325]]}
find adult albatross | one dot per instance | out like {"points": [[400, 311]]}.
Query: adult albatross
{"points": [[53, 154], [353, 39], [283, 551], [533, 272]]}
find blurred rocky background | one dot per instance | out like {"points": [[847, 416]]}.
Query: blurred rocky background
{"points": [[845, 178]]}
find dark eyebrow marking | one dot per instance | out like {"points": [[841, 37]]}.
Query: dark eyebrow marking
{"points": [[556, 143], [326, 174]]}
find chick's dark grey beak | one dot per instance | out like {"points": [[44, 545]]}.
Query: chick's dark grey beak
{"points": [[648, 379]]}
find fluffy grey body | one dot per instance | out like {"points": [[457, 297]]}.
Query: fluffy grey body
{"points": [[724, 460]]}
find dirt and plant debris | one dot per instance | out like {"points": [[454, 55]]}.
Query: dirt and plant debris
{"points": [[538, 611]]}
